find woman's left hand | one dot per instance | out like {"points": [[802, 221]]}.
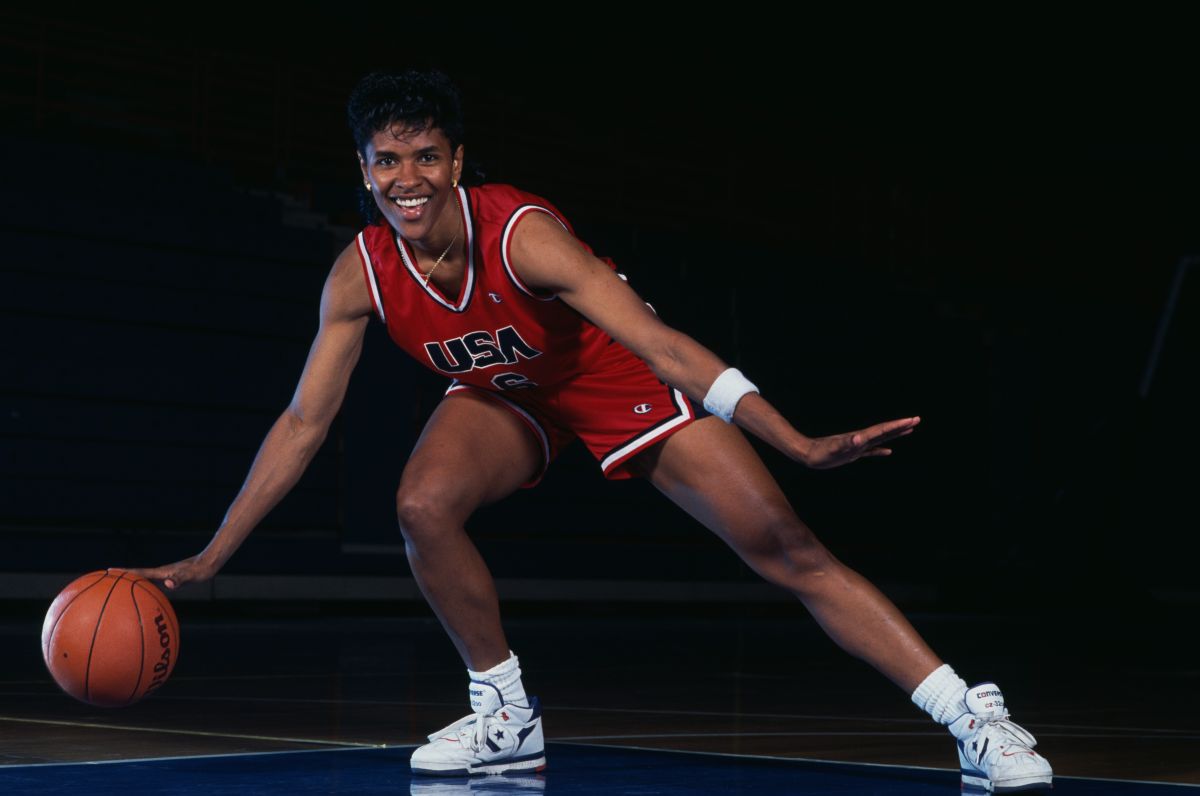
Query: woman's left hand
{"points": [[834, 451]]}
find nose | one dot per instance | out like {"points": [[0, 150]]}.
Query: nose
{"points": [[407, 176]]}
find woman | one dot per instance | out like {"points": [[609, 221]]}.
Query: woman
{"points": [[546, 342]]}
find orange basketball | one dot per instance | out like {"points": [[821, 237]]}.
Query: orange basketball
{"points": [[110, 638]]}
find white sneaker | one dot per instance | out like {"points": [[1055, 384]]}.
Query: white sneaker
{"points": [[996, 755], [496, 739]]}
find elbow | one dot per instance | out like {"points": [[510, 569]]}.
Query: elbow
{"points": [[309, 434], [666, 359]]}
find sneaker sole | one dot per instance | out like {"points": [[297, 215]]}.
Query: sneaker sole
{"points": [[974, 783], [534, 762]]}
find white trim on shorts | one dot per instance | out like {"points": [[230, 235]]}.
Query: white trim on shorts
{"points": [[651, 436]]}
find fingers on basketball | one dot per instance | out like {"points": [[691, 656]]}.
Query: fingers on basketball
{"points": [[159, 575]]}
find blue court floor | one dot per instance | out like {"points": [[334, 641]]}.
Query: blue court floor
{"points": [[661, 704], [573, 769]]}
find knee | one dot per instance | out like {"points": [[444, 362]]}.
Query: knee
{"points": [[788, 554], [421, 516]]}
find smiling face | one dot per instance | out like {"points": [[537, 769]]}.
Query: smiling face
{"points": [[412, 174]]}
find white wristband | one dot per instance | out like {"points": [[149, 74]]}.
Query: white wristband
{"points": [[725, 392]]}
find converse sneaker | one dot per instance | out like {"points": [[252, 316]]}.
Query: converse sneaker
{"points": [[494, 740], [996, 755]]}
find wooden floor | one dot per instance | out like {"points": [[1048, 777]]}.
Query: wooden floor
{"points": [[743, 686]]}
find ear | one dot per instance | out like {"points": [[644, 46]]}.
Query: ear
{"points": [[457, 166], [362, 166]]}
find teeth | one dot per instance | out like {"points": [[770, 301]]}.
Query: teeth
{"points": [[417, 202]]}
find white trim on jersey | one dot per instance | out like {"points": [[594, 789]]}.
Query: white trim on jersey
{"points": [[456, 385], [508, 230], [369, 267], [420, 277], [650, 436]]}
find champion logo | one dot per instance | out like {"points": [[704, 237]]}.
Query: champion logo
{"points": [[495, 297], [642, 409]]}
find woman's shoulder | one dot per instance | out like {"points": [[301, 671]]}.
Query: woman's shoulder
{"points": [[497, 201]]}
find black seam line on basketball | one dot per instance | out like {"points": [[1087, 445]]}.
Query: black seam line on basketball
{"points": [[87, 672], [57, 619], [141, 638], [167, 613]]}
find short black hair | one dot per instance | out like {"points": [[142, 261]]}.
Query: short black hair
{"points": [[417, 99]]}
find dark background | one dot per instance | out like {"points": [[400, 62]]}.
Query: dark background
{"points": [[979, 229]]}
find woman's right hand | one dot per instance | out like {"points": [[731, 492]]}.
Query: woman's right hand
{"points": [[189, 570]]}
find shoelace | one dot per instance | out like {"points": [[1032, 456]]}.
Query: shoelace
{"points": [[1010, 733], [477, 737]]}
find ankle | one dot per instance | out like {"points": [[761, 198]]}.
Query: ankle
{"points": [[504, 678], [942, 695]]}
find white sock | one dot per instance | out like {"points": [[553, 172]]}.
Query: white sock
{"points": [[506, 678], [942, 695]]}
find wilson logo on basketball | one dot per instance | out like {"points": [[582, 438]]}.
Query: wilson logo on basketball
{"points": [[163, 666], [642, 409]]}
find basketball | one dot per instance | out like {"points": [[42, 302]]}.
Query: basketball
{"points": [[110, 638]]}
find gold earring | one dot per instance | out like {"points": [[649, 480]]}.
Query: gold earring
{"points": [[453, 183]]}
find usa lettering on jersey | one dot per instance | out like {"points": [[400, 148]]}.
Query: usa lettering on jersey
{"points": [[479, 350]]}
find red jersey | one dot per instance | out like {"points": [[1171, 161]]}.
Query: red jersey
{"points": [[497, 333]]}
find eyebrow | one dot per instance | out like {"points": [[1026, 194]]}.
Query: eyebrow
{"points": [[422, 151]]}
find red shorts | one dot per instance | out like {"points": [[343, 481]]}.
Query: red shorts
{"points": [[618, 409]]}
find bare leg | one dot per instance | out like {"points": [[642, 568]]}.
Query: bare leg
{"points": [[471, 453], [712, 472]]}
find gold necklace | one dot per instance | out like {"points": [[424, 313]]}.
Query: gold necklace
{"points": [[453, 241]]}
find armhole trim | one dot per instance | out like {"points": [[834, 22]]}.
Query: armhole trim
{"points": [[369, 275], [506, 242]]}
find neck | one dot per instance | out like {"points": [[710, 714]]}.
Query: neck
{"points": [[445, 235]]}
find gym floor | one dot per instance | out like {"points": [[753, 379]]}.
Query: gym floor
{"points": [[312, 701]]}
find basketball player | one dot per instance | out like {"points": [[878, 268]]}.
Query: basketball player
{"points": [[545, 342]]}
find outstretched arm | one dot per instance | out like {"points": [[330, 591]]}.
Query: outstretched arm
{"points": [[546, 256], [297, 435]]}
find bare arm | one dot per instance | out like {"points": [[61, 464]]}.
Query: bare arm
{"points": [[297, 435], [546, 256]]}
